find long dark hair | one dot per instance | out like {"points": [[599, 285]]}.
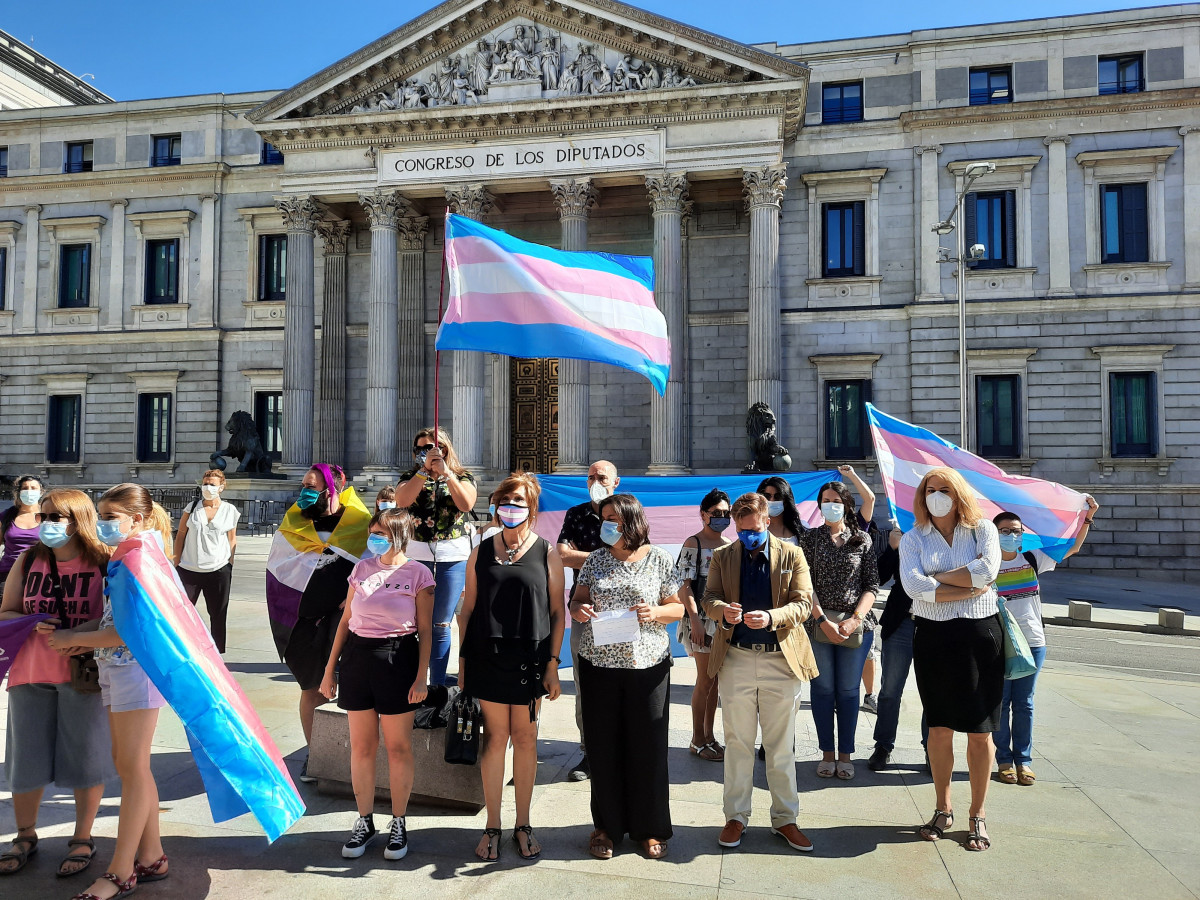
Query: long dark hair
{"points": [[851, 516], [791, 515]]}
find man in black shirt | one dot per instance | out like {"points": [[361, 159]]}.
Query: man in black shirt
{"points": [[580, 535]]}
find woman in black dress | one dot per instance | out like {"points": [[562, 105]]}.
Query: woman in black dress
{"points": [[512, 621]]}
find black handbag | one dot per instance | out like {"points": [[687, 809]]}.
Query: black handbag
{"points": [[85, 671], [464, 731], [434, 711]]}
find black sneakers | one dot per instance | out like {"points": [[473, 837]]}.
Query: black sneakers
{"points": [[879, 759], [581, 772], [397, 844], [304, 776], [363, 834]]}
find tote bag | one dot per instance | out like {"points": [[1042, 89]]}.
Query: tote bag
{"points": [[1018, 659]]}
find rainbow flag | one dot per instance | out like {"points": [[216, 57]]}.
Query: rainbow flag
{"points": [[13, 634], [242, 769], [513, 297], [1051, 513], [297, 551]]}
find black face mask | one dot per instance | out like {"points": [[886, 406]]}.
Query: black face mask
{"points": [[318, 510]]}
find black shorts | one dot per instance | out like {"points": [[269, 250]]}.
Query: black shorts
{"points": [[377, 673]]}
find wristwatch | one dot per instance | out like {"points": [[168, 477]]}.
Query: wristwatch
{"points": [[822, 619]]}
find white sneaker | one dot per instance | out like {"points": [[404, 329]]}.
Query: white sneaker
{"points": [[397, 845], [362, 834]]}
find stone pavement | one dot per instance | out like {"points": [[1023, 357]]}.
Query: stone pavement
{"points": [[1114, 812]]}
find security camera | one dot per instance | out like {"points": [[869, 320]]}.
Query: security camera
{"points": [[977, 251], [944, 255], [976, 169], [943, 228]]}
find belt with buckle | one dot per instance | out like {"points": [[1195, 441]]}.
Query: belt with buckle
{"points": [[762, 648]]}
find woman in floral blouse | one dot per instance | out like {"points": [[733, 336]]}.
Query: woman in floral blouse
{"points": [[439, 493], [626, 595], [845, 581]]}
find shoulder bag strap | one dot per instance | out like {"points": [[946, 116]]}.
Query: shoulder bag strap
{"points": [[57, 589]]}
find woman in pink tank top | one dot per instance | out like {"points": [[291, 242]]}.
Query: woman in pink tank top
{"points": [[57, 734]]}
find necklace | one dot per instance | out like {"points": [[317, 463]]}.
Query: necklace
{"points": [[510, 552]]}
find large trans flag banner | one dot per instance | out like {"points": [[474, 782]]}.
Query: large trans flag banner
{"points": [[672, 507], [1051, 513], [242, 769]]}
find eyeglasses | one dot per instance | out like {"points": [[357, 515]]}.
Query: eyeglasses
{"points": [[1018, 530], [51, 517]]}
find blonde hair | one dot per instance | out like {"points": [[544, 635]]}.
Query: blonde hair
{"points": [[214, 473], [442, 438], [398, 523], [748, 505], [526, 480], [966, 507], [78, 506], [134, 500]]}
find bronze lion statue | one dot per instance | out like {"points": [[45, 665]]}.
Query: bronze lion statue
{"points": [[766, 453], [244, 444]]}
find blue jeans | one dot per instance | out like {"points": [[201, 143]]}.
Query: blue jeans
{"points": [[1014, 744], [897, 660], [450, 578], [835, 690]]}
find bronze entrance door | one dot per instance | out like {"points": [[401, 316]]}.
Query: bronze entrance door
{"points": [[534, 415]]}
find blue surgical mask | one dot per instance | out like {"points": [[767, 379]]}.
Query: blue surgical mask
{"points": [[833, 512], [109, 531], [386, 504], [610, 533], [377, 545], [30, 497], [752, 540], [774, 508], [718, 523], [1010, 543], [492, 510], [308, 496], [53, 534]]}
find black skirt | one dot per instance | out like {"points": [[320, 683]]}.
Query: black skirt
{"points": [[506, 676], [960, 672]]}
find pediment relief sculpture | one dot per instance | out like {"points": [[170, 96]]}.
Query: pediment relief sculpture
{"points": [[520, 61]]}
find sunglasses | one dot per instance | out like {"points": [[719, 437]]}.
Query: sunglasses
{"points": [[51, 517], [425, 448]]}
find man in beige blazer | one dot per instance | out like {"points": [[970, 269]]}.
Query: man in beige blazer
{"points": [[759, 592]]}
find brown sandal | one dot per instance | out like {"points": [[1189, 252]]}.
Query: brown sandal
{"points": [[1025, 776], [1007, 774], [654, 849], [600, 845], [21, 856], [84, 860]]}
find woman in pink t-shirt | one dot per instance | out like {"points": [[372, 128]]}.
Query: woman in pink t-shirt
{"points": [[383, 642], [56, 734]]}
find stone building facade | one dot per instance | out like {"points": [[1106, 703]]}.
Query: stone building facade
{"points": [[280, 253]]}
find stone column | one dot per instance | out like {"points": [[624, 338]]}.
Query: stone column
{"points": [[1059, 237], [668, 438], [1191, 212], [33, 235], [574, 198], [206, 287], [331, 417], [764, 190], [410, 357], [383, 375], [113, 314], [929, 284], [473, 201], [300, 215]]}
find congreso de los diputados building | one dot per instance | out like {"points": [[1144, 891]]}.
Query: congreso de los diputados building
{"points": [[167, 263]]}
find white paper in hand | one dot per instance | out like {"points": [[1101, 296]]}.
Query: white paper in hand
{"points": [[615, 626]]}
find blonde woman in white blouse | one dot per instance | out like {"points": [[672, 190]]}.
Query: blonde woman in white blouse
{"points": [[948, 565]]}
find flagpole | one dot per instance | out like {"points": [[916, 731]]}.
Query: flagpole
{"points": [[437, 354]]}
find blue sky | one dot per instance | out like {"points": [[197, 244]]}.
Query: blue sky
{"points": [[139, 49]]}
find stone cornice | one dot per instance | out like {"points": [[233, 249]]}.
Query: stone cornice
{"points": [[1059, 107], [147, 175]]}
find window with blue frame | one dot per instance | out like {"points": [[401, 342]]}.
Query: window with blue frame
{"points": [[162, 271], [998, 416], [62, 428], [1121, 74], [1124, 230], [990, 219], [74, 276], [154, 427], [841, 102], [992, 85], [3, 276], [78, 157], [268, 419], [1134, 410], [3, 162], [843, 239], [846, 431], [272, 267], [167, 150], [271, 155]]}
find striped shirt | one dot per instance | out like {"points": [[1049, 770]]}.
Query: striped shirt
{"points": [[925, 553]]}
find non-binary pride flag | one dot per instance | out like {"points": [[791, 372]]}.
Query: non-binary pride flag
{"points": [[521, 299], [239, 763], [1051, 513]]}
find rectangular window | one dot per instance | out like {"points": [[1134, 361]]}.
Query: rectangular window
{"points": [[997, 415], [3, 162], [154, 428], [1121, 74], [844, 239], [268, 417], [1124, 232], [167, 149], [271, 155], [841, 102], [991, 219], [78, 157], [991, 86], [74, 276], [162, 271], [1134, 413], [846, 433], [3, 276], [272, 266], [62, 430]]}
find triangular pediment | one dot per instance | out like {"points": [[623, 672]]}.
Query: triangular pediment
{"points": [[464, 56]]}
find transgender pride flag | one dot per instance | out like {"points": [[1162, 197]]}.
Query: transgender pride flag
{"points": [[521, 299], [1051, 513]]}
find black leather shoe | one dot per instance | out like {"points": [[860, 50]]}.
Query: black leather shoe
{"points": [[879, 759], [581, 772]]}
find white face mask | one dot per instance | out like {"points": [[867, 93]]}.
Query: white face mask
{"points": [[833, 512], [939, 504], [209, 491], [30, 497], [774, 508], [598, 492]]}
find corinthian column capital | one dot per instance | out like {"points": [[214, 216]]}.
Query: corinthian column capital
{"points": [[300, 214], [335, 233], [385, 207], [412, 232], [668, 192], [575, 197], [471, 200], [764, 186]]}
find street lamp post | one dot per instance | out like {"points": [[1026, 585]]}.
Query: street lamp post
{"points": [[962, 255]]}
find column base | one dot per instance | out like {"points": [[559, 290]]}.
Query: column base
{"points": [[296, 472], [668, 469], [564, 469]]}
